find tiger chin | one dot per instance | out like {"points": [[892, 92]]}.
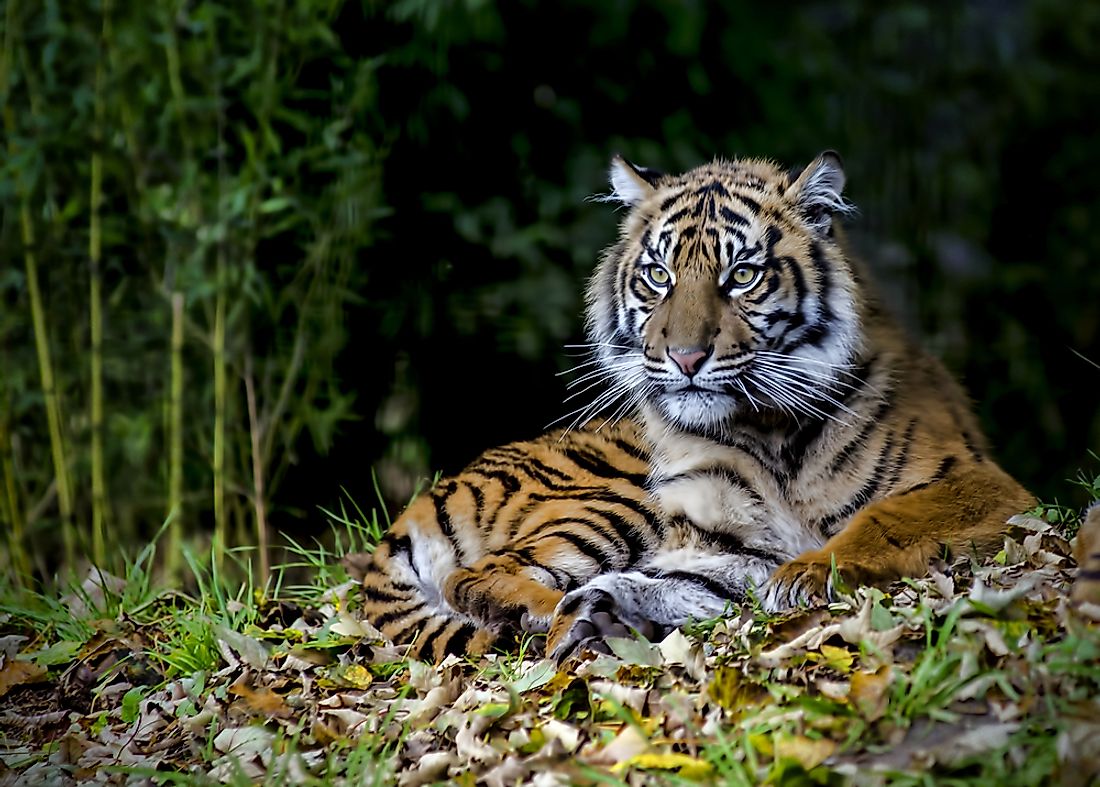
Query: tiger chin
{"points": [[787, 427]]}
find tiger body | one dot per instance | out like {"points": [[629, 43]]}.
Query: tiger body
{"points": [[787, 426], [492, 550]]}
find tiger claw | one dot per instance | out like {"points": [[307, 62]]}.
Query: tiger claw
{"points": [[796, 583], [585, 619]]}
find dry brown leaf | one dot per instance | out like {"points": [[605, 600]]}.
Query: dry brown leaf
{"points": [[430, 767], [629, 743], [261, 701], [17, 673]]}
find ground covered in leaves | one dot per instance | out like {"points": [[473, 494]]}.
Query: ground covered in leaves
{"points": [[982, 673]]}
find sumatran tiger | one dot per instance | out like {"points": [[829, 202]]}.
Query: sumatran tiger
{"points": [[786, 433]]}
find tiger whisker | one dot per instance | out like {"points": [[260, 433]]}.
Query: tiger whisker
{"points": [[787, 377], [780, 390], [604, 371]]}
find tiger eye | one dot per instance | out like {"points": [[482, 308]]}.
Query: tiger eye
{"points": [[657, 275], [743, 274]]}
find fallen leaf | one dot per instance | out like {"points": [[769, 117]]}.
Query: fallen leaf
{"points": [[628, 744], [251, 651], [635, 651], [683, 765], [807, 752], [17, 673], [868, 692], [262, 701], [838, 659], [535, 676]]}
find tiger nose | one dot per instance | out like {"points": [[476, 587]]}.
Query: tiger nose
{"points": [[689, 361]]}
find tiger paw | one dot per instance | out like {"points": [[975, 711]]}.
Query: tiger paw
{"points": [[804, 580], [585, 618], [810, 579]]}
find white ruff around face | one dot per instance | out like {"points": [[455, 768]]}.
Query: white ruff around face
{"points": [[698, 409]]}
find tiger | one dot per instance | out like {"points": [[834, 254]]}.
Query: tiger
{"points": [[798, 436], [487, 554], [780, 432]]}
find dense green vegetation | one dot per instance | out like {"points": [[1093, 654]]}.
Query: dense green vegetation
{"points": [[251, 251]]}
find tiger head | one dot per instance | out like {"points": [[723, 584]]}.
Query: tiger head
{"points": [[726, 292]]}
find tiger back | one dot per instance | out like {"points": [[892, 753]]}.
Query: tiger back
{"points": [[490, 551]]}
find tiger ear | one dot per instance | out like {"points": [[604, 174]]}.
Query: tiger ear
{"points": [[817, 191], [631, 184]]}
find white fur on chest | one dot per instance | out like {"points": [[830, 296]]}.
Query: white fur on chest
{"points": [[689, 481]]}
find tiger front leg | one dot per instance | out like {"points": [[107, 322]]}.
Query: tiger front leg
{"points": [[899, 536], [669, 590]]}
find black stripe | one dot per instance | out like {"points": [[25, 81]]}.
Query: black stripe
{"points": [[1089, 573], [399, 545], [843, 456], [587, 548], [732, 217], [632, 449], [671, 200], [506, 479], [460, 639], [748, 202], [731, 544], [597, 464], [771, 284], [863, 496], [427, 637], [383, 595], [396, 614], [711, 585], [732, 477], [443, 517]]}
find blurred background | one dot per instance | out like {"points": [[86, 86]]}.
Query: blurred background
{"points": [[253, 253]]}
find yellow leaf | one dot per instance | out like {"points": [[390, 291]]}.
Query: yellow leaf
{"points": [[807, 752], [762, 743], [868, 692], [357, 675], [839, 659], [683, 764]]}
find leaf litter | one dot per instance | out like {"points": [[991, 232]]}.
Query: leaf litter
{"points": [[981, 671]]}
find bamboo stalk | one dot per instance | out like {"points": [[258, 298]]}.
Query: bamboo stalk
{"points": [[95, 297], [175, 441], [220, 521], [13, 514], [38, 317], [175, 410], [257, 474]]}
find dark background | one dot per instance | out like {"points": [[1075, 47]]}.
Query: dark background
{"points": [[399, 191]]}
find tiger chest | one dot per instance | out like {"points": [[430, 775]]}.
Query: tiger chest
{"points": [[736, 492]]}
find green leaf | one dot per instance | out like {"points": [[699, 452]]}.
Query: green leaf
{"points": [[573, 701], [59, 653], [131, 704]]}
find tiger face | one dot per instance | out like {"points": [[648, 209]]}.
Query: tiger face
{"points": [[727, 292]]}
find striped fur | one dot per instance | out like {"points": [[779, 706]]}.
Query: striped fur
{"points": [[793, 426], [1087, 585], [491, 550]]}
